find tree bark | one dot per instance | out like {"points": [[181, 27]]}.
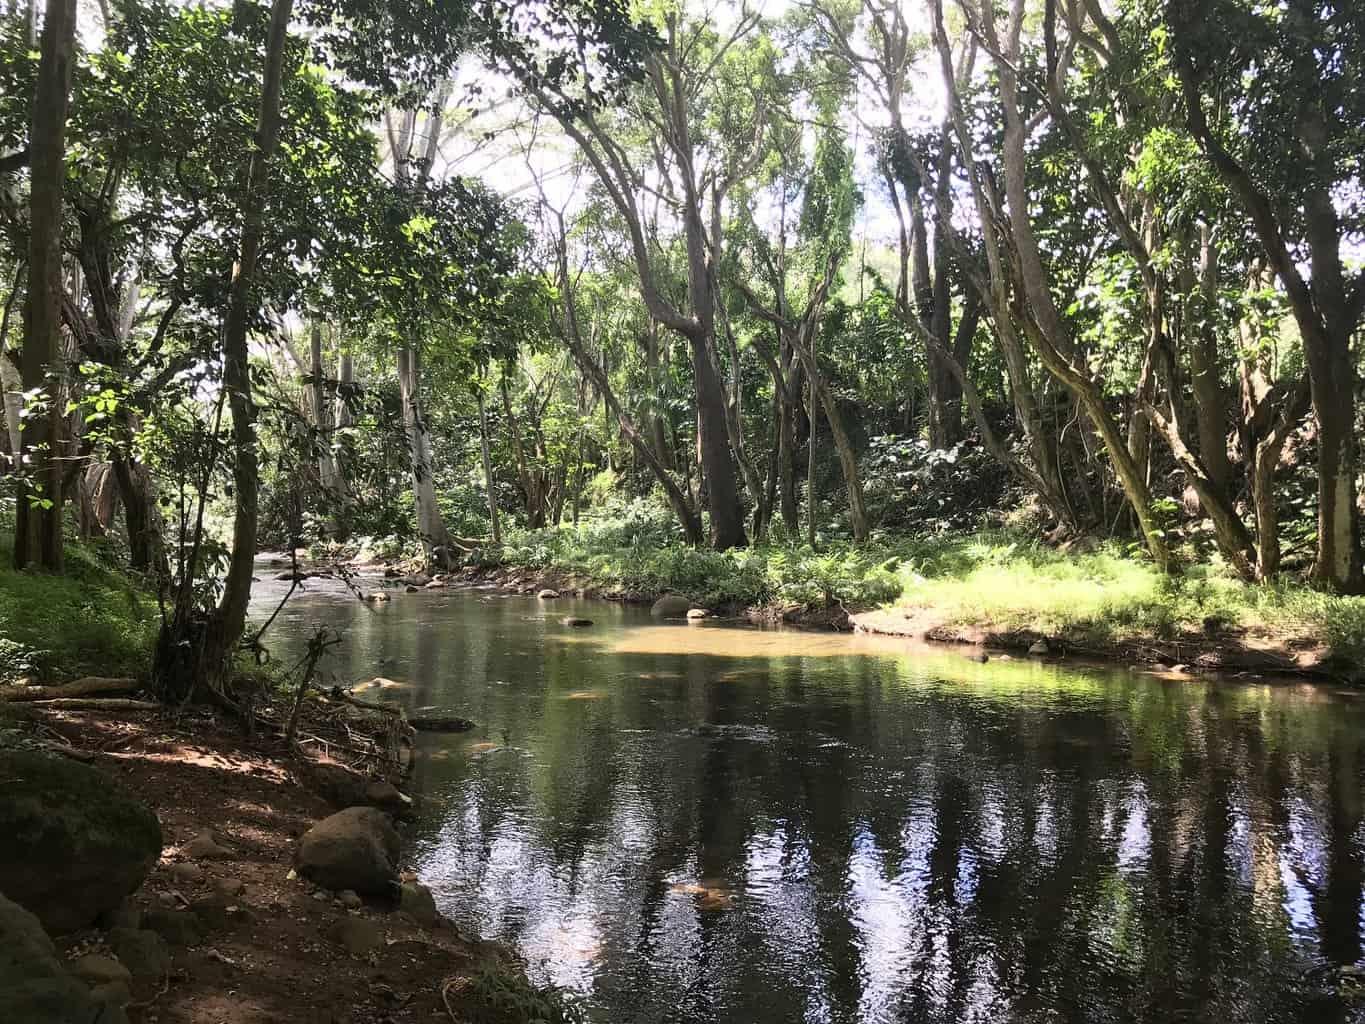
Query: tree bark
{"points": [[322, 411], [431, 528], [488, 482], [38, 526]]}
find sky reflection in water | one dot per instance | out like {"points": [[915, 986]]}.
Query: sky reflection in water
{"points": [[704, 824]]}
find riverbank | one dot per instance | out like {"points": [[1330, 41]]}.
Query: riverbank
{"points": [[991, 589], [252, 941]]}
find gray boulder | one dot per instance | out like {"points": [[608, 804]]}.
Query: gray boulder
{"points": [[353, 849], [670, 606], [33, 984], [73, 842]]}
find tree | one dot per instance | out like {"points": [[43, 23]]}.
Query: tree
{"points": [[680, 76], [38, 529], [1288, 147]]}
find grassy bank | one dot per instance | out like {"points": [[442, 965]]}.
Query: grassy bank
{"points": [[90, 621], [976, 583]]}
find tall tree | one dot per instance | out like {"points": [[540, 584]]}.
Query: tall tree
{"points": [[38, 530], [1273, 98]]}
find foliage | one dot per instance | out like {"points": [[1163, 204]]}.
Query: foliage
{"points": [[91, 621]]}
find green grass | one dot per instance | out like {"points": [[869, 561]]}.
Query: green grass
{"points": [[90, 621], [997, 580], [1005, 582]]}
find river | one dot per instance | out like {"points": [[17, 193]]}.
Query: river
{"points": [[709, 824]]}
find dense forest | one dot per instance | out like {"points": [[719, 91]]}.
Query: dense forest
{"points": [[352, 350], [532, 283]]}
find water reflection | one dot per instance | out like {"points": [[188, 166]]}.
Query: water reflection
{"points": [[695, 824]]}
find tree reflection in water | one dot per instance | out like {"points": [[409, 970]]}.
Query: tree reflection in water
{"points": [[777, 827]]}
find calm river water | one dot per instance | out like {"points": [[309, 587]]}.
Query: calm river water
{"points": [[695, 824]]}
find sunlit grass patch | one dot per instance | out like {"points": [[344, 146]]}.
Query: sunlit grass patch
{"points": [[90, 621]]}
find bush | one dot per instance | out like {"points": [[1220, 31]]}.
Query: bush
{"points": [[91, 621]]}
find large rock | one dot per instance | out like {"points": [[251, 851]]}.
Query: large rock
{"points": [[73, 843], [353, 849], [33, 984], [670, 606]]}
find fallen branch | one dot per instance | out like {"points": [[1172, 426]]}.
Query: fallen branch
{"points": [[77, 688], [98, 704]]}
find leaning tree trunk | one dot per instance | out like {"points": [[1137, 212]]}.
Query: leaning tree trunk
{"points": [[38, 526]]}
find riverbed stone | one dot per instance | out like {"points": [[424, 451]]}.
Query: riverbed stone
{"points": [[416, 899], [73, 842], [387, 797], [353, 849], [143, 952], [1039, 648], [349, 899], [670, 606], [548, 594], [575, 622], [33, 984], [695, 614]]}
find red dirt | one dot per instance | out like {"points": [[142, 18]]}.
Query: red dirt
{"points": [[272, 960]]}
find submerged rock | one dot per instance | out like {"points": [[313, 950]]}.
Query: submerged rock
{"points": [[1040, 648], [33, 984], [575, 621], [548, 595], [73, 842], [694, 614], [670, 606], [354, 849]]}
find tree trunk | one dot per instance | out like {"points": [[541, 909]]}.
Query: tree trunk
{"points": [[431, 528], [488, 483], [13, 387], [1210, 398], [208, 667], [38, 527], [322, 412]]}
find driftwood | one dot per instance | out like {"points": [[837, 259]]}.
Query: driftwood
{"points": [[440, 723], [98, 704], [78, 688]]}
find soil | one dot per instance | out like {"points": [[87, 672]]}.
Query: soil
{"points": [[269, 957], [1220, 650]]}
